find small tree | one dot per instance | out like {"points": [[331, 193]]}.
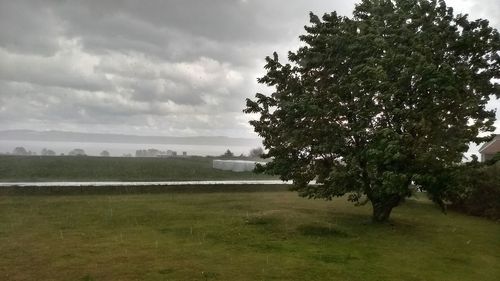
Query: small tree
{"points": [[104, 153], [47, 152], [256, 152], [228, 153], [375, 102], [474, 188], [77, 152], [20, 151]]}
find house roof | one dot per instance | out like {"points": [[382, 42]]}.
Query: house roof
{"points": [[491, 147]]}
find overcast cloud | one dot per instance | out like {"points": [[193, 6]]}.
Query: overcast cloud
{"points": [[160, 67]]}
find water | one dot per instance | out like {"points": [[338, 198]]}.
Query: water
{"points": [[119, 149]]}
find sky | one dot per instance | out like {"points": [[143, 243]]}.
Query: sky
{"points": [[155, 67]]}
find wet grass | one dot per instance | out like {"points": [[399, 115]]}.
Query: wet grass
{"points": [[237, 236], [71, 168]]}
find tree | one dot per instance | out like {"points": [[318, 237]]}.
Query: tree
{"points": [[48, 152], [228, 153], [256, 152], [152, 152], [104, 153], [77, 152], [376, 102], [20, 151], [494, 159], [476, 188]]}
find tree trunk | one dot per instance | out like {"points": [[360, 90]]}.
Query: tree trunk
{"points": [[381, 212], [382, 208]]}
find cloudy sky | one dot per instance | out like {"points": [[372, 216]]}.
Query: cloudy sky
{"points": [[153, 67]]}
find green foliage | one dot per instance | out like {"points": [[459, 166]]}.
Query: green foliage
{"points": [[375, 102], [228, 153], [256, 152], [475, 189], [494, 159]]}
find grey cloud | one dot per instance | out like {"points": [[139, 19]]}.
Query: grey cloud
{"points": [[219, 20], [179, 30], [90, 111], [164, 90], [67, 70], [489, 9], [29, 27], [485, 9], [182, 83], [147, 67]]}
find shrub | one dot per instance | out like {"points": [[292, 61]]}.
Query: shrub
{"points": [[477, 190]]}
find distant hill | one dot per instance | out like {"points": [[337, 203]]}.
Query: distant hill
{"points": [[62, 136]]}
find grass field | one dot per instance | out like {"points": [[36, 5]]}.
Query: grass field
{"points": [[71, 168], [224, 235]]}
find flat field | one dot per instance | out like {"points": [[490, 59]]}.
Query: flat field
{"points": [[77, 168], [228, 235]]}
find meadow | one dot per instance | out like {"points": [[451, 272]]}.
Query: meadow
{"points": [[83, 168], [270, 234]]}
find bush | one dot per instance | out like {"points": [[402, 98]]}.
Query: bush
{"points": [[477, 190]]}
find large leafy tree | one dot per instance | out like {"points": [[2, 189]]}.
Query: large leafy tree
{"points": [[376, 102]]}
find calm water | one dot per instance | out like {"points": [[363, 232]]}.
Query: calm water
{"points": [[118, 149]]}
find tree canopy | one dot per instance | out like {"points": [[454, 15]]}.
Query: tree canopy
{"points": [[256, 152], [77, 152], [373, 103], [47, 152], [20, 151], [228, 153]]}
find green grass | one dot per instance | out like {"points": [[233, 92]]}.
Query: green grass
{"points": [[271, 235], [71, 168]]}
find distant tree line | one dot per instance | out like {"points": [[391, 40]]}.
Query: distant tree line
{"points": [[48, 152], [77, 152], [21, 151], [253, 153], [151, 152], [154, 153]]}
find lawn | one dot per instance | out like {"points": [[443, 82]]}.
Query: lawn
{"points": [[227, 235], [71, 168]]}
